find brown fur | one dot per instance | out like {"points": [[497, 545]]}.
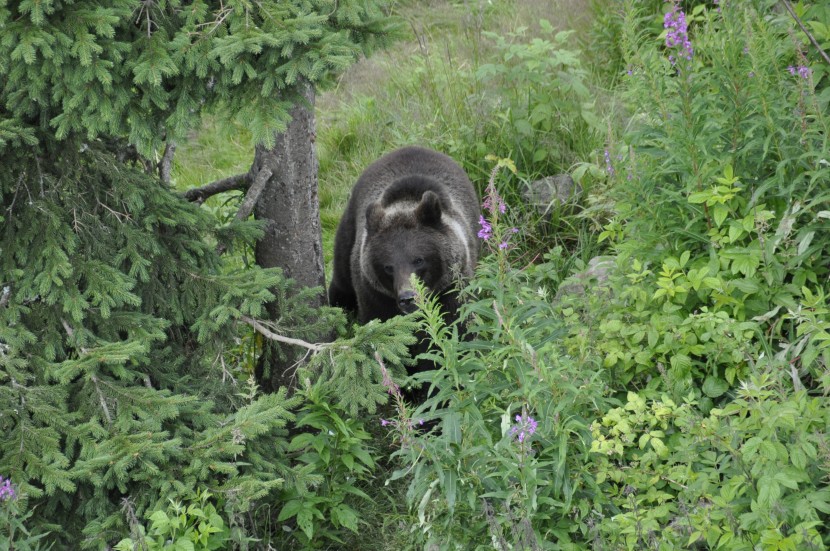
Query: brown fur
{"points": [[413, 211]]}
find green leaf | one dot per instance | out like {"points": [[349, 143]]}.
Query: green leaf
{"points": [[305, 521], [720, 212], [290, 509], [450, 485], [452, 427], [768, 491], [699, 197], [659, 447], [345, 516], [714, 387]]}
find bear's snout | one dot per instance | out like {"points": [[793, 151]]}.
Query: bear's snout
{"points": [[406, 301]]}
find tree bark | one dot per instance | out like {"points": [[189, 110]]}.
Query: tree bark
{"points": [[289, 203]]}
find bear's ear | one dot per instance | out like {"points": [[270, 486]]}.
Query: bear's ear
{"points": [[374, 217], [428, 211]]}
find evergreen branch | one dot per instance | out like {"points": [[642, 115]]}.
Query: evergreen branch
{"points": [[71, 333], [267, 333], [200, 194], [250, 200], [128, 508], [810, 36], [93, 378]]}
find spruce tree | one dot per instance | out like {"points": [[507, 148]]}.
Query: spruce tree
{"points": [[119, 321]]}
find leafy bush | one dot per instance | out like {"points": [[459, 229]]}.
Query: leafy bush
{"points": [[680, 401], [504, 462], [745, 476], [335, 450], [539, 89], [181, 527]]}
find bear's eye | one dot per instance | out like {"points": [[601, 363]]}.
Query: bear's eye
{"points": [[388, 269], [418, 262]]}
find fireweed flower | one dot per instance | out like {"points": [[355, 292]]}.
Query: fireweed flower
{"points": [[677, 35], [486, 231], [609, 166], [6, 489], [524, 428], [492, 200], [801, 71], [504, 244]]}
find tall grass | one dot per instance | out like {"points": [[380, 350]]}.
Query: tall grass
{"points": [[449, 84]]}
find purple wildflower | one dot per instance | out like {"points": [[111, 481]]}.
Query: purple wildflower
{"points": [[384, 422], [486, 231], [390, 384], [677, 36], [504, 244], [608, 165], [493, 201], [6, 489], [524, 428], [801, 71]]}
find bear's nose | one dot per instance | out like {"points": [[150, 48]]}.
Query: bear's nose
{"points": [[406, 301]]}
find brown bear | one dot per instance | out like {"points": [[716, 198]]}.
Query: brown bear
{"points": [[413, 211]]}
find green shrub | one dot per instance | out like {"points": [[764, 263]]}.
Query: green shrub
{"points": [[679, 402], [538, 87], [182, 526], [747, 476], [335, 449]]}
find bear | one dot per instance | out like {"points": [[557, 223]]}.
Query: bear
{"points": [[413, 211]]}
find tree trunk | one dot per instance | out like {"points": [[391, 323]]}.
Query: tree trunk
{"points": [[289, 204]]}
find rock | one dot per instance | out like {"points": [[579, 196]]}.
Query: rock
{"points": [[594, 276], [550, 192]]}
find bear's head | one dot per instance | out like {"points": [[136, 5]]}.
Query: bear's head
{"points": [[408, 238]]}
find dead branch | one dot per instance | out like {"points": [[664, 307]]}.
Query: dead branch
{"points": [[250, 200], [200, 194], [801, 25], [267, 333], [253, 194]]}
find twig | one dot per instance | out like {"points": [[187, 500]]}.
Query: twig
{"points": [[102, 399], [810, 37], [93, 378], [199, 194], [250, 200], [14, 197], [267, 333]]}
